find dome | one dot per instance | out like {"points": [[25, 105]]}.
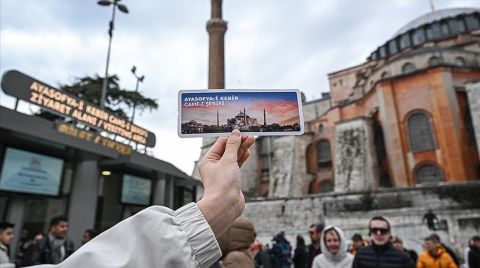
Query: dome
{"points": [[433, 26], [435, 15]]}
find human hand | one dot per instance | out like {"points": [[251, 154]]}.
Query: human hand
{"points": [[223, 200]]}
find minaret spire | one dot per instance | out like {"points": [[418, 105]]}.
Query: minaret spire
{"points": [[432, 7], [216, 28], [264, 118], [244, 117]]}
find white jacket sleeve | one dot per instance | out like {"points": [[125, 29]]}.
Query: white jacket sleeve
{"points": [[155, 237]]}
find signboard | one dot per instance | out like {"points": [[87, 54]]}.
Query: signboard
{"points": [[136, 190], [28, 172], [26, 88], [93, 137]]}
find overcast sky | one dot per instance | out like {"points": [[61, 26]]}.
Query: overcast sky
{"points": [[268, 44]]}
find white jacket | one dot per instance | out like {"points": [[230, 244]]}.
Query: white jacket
{"points": [[4, 259], [155, 237], [342, 259]]}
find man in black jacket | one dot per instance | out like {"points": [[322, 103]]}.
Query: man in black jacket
{"points": [[55, 247], [381, 253], [474, 253], [314, 248]]}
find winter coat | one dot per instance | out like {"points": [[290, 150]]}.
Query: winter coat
{"points": [[4, 259], [42, 251], [235, 245], [474, 257], [300, 256], [343, 259], [312, 252], [386, 255], [442, 260], [281, 252]]}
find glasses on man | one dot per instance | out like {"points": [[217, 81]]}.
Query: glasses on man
{"points": [[379, 231]]}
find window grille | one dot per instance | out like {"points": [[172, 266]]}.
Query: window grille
{"points": [[428, 174], [324, 156], [420, 133], [408, 68], [326, 186]]}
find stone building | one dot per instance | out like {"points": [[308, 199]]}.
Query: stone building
{"points": [[395, 136], [403, 118]]}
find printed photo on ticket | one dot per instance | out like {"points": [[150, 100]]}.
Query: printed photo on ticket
{"points": [[210, 113]]}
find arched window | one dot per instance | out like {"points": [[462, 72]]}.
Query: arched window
{"points": [[460, 61], [324, 156], [321, 128], [384, 75], [326, 186], [420, 132], [408, 68], [428, 174], [433, 61]]}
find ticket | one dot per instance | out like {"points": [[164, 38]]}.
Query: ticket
{"points": [[215, 112]]}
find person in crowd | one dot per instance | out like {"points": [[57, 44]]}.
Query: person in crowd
{"points": [[281, 251], [398, 244], [466, 251], [25, 250], [23, 243], [260, 255], [473, 259], [357, 243], [300, 254], [235, 245], [436, 240], [314, 248], [381, 253], [160, 237], [431, 219], [434, 256], [55, 247], [88, 235], [334, 250], [6, 236]]}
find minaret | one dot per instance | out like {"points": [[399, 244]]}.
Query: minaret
{"points": [[244, 117], [264, 118], [218, 121], [216, 28]]}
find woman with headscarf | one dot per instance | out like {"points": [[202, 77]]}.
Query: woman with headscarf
{"points": [[334, 250]]}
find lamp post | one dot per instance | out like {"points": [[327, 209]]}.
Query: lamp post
{"points": [[123, 8], [139, 79]]}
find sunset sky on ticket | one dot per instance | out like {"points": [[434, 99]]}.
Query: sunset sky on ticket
{"points": [[279, 106]]}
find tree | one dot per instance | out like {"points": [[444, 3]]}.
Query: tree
{"points": [[118, 101]]}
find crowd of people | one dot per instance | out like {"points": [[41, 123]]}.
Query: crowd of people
{"points": [[330, 248], [39, 248]]}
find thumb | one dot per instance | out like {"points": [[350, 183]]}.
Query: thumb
{"points": [[232, 146]]}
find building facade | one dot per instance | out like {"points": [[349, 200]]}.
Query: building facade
{"points": [[405, 117]]}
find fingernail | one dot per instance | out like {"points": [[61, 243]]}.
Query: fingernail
{"points": [[236, 132]]}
